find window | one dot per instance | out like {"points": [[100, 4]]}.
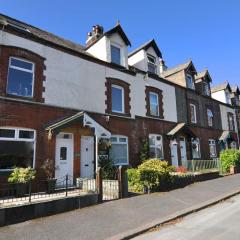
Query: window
{"points": [[206, 90], [156, 146], [196, 148], [119, 150], [63, 153], [152, 67], [115, 55], [190, 83], [17, 148], [228, 97], [210, 117], [154, 104], [212, 148], [193, 113], [20, 77], [117, 99], [231, 122]]}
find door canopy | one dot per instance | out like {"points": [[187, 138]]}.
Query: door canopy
{"points": [[83, 117]]}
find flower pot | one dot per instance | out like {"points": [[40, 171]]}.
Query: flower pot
{"points": [[20, 189], [233, 169], [50, 185]]}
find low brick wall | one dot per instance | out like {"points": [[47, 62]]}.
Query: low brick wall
{"points": [[17, 214], [206, 176]]}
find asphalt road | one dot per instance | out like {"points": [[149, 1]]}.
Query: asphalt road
{"points": [[219, 222]]}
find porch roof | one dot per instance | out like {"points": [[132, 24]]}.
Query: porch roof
{"points": [[227, 135], [180, 128], [83, 117]]}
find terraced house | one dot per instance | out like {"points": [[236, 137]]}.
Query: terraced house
{"points": [[61, 100]]}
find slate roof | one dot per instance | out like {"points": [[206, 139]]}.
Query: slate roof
{"points": [[220, 87], [178, 68], [41, 34], [202, 75], [117, 29], [145, 46]]}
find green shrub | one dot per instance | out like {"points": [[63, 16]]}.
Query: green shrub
{"points": [[230, 157], [109, 171], [134, 180], [154, 174], [22, 175]]}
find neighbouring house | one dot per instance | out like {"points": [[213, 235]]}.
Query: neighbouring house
{"points": [[229, 113], [68, 102]]}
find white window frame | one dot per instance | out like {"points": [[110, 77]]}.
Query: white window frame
{"points": [[206, 89], [151, 63], [212, 142], [192, 82], [210, 117], [195, 113], [121, 143], [123, 103], [196, 141], [153, 93], [24, 70], [18, 139], [116, 46], [156, 146]]}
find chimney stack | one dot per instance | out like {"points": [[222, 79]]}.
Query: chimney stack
{"points": [[97, 32], [163, 67]]}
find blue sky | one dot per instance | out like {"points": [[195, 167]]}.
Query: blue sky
{"points": [[207, 31]]}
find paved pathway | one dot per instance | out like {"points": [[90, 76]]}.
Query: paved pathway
{"points": [[219, 222], [116, 219]]}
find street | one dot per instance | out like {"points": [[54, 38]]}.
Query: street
{"points": [[219, 222]]}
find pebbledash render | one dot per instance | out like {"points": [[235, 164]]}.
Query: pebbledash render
{"points": [[62, 101]]}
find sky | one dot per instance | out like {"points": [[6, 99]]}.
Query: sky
{"points": [[206, 31]]}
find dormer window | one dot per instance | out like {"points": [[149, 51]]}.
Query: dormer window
{"points": [[115, 55], [152, 67], [190, 83], [228, 98], [206, 90]]}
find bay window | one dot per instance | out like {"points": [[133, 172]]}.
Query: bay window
{"points": [[156, 146], [17, 148], [119, 150], [20, 77]]}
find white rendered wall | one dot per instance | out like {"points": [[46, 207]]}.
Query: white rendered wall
{"points": [[224, 116], [77, 83]]}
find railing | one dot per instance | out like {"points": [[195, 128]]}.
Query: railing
{"points": [[203, 165], [14, 194]]}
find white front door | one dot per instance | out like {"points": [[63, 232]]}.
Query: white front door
{"points": [[183, 151], [174, 153], [87, 157], [64, 155]]}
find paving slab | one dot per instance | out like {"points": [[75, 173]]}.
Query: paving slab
{"points": [[123, 218]]}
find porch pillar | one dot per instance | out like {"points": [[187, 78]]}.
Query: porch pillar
{"points": [[96, 152]]}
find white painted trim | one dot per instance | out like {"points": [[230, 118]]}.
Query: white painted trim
{"points": [[121, 143], [24, 70], [17, 139], [195, 113], [122, 94], [153, 93]]}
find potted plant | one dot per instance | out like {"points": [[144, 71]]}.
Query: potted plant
{"points": [[20, 177], [49, 167]]}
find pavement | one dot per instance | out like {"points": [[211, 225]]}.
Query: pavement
{"points": [[219, 222], [123, 219]]}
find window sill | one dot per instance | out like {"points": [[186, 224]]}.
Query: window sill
{"points": [[120, 114], [20, 97]]}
